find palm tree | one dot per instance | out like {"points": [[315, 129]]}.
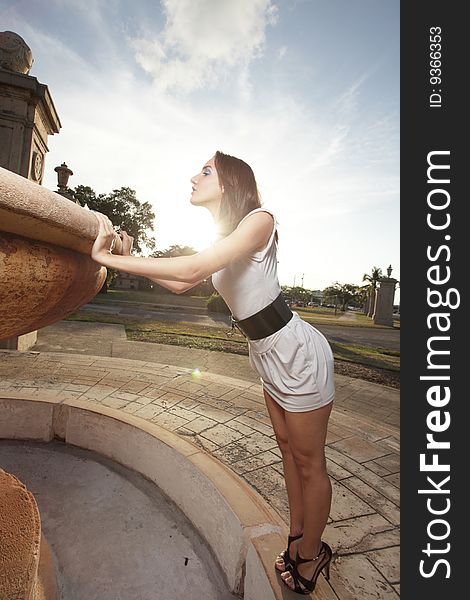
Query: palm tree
{"points": [[362, 297], [373, 279]]}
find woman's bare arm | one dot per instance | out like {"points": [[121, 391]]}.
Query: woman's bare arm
{"points": [[123, 243], [177, 287], [248, 237]]}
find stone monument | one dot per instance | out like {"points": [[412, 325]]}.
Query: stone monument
{"points": [[383, 307], [27, 118], [15, 54]]}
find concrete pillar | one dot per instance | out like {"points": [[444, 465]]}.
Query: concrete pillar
{"points": [[383, 308], [27, 118], [371, 300]]}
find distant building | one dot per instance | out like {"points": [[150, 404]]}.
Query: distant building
{"points": [[126, 281]]}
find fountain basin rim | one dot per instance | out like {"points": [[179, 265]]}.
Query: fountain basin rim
{"points": [[242, 529], [35, 212]]}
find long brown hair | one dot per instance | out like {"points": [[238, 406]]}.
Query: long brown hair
{"points": [[240, 194]]}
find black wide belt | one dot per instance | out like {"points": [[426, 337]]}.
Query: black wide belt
{"points": [[267, 321]]}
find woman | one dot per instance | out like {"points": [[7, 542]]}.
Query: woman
{"points": [[293, 359]]}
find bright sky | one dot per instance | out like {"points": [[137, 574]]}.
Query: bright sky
{"points": [[305, 91]]}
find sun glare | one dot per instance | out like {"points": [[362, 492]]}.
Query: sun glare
{"points": [[198, 231]]}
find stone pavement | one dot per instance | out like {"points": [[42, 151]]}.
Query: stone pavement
{"points": [[102, 339], [225, 415]]}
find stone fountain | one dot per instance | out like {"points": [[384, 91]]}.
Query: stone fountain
{"points": [[45, 273], [45, 244]]}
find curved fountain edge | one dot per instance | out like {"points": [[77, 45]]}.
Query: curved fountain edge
{"points": [[34, 212], [243, 531], [45, 245]]}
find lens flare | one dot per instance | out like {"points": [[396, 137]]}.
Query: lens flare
{"points": [[197, 373]]}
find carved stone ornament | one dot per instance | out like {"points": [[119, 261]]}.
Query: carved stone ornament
{"points": [[36, 166], [15, 54]]}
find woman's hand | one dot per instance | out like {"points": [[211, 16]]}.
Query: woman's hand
{"points": [[106, 238], [127, 242]]}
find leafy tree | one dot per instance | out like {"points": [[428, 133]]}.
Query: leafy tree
{"points": [[217, 304], [205, 288], [362, 294], [341, 294], [349, 294], [330, 294], [174, 250], [296, 294], [124, 210]]}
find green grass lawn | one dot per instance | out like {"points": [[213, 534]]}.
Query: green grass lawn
{"points": [[314, 315], [193, 335], [363, 355], [326, 316], [149, 298]]}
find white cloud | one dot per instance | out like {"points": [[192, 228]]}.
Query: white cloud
{"points": [[203, 40], [347, 101]]}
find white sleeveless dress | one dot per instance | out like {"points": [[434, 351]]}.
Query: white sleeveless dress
{"points": [[295, 364]]}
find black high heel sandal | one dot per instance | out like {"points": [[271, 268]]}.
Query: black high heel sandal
{"points": [[306, 586], [288, 564]]}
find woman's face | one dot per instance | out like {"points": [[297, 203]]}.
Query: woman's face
{"points": [[206, 188]]}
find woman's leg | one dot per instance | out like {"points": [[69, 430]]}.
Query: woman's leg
{"points": [[306, 432], [291, 472]]}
